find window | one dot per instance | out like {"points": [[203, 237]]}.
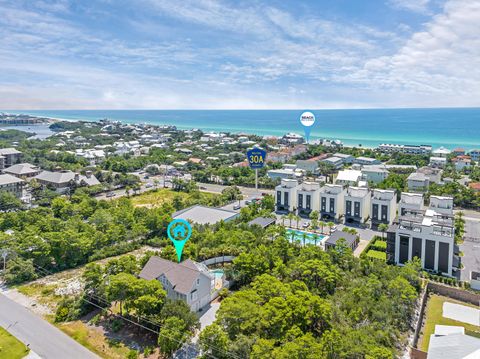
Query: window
{"points": [[300, 200], [279, 197], [384, 212], [198, 281], [375, 211], [332, 205], [357, 209], [285, 198], [349, 208], [308, 201], [324, 204]]}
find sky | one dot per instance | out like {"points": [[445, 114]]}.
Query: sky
{"points": [[206, 54]]}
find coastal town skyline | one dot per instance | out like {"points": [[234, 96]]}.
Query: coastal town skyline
{"points": [[226, 55]]}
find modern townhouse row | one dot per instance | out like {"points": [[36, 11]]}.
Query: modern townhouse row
{"points": [[415, 230], [336, 202]]}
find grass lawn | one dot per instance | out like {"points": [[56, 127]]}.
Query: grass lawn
{"points": [[11, 347], [158, 197], [434, 316], [94, 340]]}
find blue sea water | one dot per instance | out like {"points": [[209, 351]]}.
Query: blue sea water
{"points": [[450, 127]]}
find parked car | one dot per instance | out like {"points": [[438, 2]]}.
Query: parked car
{"points": [[149, 185], [110, 194], [203, 187], [306, 224], [248, 202]]}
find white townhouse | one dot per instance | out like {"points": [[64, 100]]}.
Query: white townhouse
{"points": [[308, 198], [286, 195], [428, 234], [357, 205], [410, 201], [384, 206], [332, 201], [417, 182]]}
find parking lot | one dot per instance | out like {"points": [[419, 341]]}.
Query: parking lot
{"points": [[471, 246]]}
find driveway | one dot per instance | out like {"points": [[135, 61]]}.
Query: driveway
{"points": [[42, 337], [470, 246]]}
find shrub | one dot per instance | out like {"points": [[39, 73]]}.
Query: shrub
{"points": [[377, 255], [116, 324], [147, 351], [223, 293], [68, 309], [132, 354]]}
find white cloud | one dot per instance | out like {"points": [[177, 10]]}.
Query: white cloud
{"points": [[420, 6]]}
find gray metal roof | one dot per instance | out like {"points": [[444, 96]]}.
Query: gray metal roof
{"points": [[64, 177], [453, 346], [336, 236], [22, 169], [205, 215], [9, 151], [262, 221]]}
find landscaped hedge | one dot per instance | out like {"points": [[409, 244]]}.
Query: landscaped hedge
{"points": [[379, 245], [377, 255]]}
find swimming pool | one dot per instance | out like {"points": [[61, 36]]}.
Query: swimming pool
{"points": [[217, 273], [310, 238]]}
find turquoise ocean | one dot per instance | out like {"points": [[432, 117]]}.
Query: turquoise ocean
{"points": [[449, 127]]}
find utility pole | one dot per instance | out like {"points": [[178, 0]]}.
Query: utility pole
{"points": [[256, 180]]}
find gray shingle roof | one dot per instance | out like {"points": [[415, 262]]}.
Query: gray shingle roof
{"points": [[453, 346], [262, 221], [64, 177], [9, 151], [9, 179], [182, 276], [22, 169]]}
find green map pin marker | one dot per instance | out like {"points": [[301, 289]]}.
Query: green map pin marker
{"points": [[179, 232]]}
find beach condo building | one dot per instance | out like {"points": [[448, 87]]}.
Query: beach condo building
{"points": [[408, 149], [286, 195], [384, 207], [357, 205], [427, 234], [374, 173], [365, 161], [308, 197], [417, 182], [332, 202], [10, 156]]}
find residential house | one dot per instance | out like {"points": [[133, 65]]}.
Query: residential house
{"points": [[451, 342], [374, 173], [357, 205], [12, 184], [334, 161], [417, 182], [384, 206], [188, 281], [348, 177], [23, 170], [9, 157], [332, 201], [62, 181], [458, 151], [205, 215], [309, 166], [475, 155], [409, 202], [282, 173], [441, 152], [434, 175], [308, 197], [286, 195], [365, 161], [347, 159], [462, 162], [438, 162], [427, 234]]}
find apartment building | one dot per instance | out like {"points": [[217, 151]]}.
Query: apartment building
{"points": [[9, 157], [12, 184], [384, 207], [286, 195], [332, 202], [409, 149], [426, 233], [308, 198], [357, 205]]}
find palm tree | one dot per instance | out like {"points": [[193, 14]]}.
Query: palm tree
{"points": [[383, 227], [304, 238], [297, 218], [290, 216], [284, 217], [315, 238], [155, 183], [322, 224], [127, 191], [330, 226]]}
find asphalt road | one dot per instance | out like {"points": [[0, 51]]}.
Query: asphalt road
{"points": [[45, 340]]}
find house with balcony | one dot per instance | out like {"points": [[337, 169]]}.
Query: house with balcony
{"points": [[475, 155], [188, 281], [332, 202], [441, 152], [438, 162], [366, 161], [374, 173], [417, 182], [9, 157], [308, 197], [334, 161], [12, 184], [286, 195], [384, 207], [347, 159], [427, 234], [410, 201], [357, 205]]}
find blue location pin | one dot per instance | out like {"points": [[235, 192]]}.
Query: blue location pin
{"points": [[307, 119], [179, 231]]}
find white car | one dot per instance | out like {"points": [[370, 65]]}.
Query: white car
{"points": [[149, 185]]}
